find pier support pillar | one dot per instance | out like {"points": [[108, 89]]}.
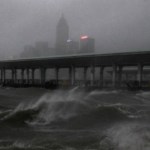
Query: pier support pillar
{"points": [[22, 76], [85, 75], [114, 75], [28, 78], [57, 75], [3, 75], [13, 75], [92, 71], [139, 74], [33, 71], [72, 75], [101, 76], [43, 75], [120, 76]]}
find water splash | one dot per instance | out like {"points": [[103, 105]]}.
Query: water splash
{"points": [[130, 136], [102, 92], [59, 105]]}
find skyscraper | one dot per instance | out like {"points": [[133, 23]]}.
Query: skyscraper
{"points": [[72, 47], [87, 44], [62, 35]]}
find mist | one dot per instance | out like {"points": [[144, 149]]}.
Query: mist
{"points": [[117, 26]]}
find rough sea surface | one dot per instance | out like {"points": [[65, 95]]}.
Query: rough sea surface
{"points": [[75, 119]]}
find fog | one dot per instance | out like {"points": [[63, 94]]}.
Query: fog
{"points": [[116, 25]]}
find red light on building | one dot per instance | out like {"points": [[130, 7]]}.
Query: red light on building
{"points": [[84, 37], [87, 44]]}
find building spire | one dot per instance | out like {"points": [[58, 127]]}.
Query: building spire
{"points": [[62, 35]]}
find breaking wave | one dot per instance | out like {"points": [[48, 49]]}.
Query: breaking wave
{"points": [[69, 109]]}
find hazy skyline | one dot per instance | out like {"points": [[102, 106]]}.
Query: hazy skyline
{"points": [[117, 25]]}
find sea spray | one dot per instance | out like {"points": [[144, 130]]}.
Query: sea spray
{"points": [[102, 92], [72, 106], [130, 136], [60, 105]]}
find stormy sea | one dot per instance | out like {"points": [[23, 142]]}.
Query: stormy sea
{"points": [[74, 119]]}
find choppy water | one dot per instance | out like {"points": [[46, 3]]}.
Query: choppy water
{"points": [[76, 119]]}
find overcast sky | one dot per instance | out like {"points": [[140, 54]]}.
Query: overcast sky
{"points": [[117, 25]]}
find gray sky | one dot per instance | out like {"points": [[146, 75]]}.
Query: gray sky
{"points": [[117, 25]]}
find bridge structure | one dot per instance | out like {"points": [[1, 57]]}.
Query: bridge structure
{"points": [[86, 61]]}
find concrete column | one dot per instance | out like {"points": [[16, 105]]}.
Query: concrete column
{"points": [[3, 75], [114, 75], [85, 75], [33, 71], [13, 75], [22, 76], [28, 76], [92, 71], [139, 74], [57, 75], [120, 76], [101, 76], [43, 75], [72, 75]]}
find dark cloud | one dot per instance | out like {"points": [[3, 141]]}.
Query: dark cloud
{"points": [[117, 25]]}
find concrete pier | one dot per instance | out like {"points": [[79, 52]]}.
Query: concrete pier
{"points": [[114, 75], [85, 75], [101, 76], [139, 74], [27, 72], [33, 71], [120, 76], [87, 62], [92, 75], [22, 76], [72, 71], [43, 72]]}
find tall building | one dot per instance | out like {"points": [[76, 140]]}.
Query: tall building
{"points": [[62, 35], [87, 44], [72, 47]]}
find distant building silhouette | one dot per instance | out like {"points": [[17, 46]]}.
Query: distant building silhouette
{"points": [[87, 44], [62, 35], [72, 47], [63, 44], [29, 51], [41, 49]]}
